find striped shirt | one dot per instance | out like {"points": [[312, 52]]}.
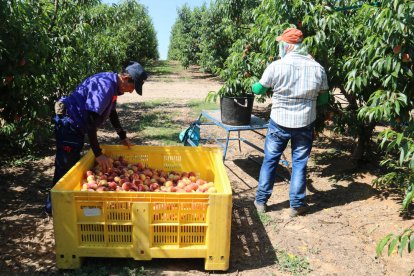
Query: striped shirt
{"points": [[296, 80]]}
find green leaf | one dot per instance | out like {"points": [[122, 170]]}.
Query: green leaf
{"points": [[408, 199], [411, 245], [399, 138], [382, 243], [402, 244], [411, 165], [397, 107], [392, 245]]}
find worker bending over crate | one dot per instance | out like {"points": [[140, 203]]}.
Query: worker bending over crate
{"points": [[86, 109]]}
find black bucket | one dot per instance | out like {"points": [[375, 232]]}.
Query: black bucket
{"points": [[236, 111]]}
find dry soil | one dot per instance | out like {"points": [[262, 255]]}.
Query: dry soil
{"points": [[337, 237]]}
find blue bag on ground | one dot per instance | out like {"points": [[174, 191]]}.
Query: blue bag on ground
{"points": [[190, 135]]}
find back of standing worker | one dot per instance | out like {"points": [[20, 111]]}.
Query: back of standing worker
{"points": [[297, 83]]}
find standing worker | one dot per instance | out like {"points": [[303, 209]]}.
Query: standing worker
{"points": [[86, 109], [298, 84]]}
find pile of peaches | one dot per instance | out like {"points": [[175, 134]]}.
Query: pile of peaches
{"points": [[124, 176]]}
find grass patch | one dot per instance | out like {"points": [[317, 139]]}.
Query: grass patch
{"points": [[289, 262], [159, 123], [165, 136], [264, 218], [160, 67], [165, 67], [197, 106]]}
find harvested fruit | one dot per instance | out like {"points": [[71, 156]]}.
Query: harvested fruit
{"points": [[139, 178]]}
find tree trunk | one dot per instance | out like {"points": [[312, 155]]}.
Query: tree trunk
{"points": [[363, 145]]}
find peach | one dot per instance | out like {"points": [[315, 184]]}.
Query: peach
{"points": [[103, 182], [112, 185], [397, 49], [141, 188], [209, 184], [406, 57], [181, 184], [148, 172], [125, 186], [212, 190], [92, 185], [154, 186], [100, 189], [194, 186], [188, 188], [168, 183]]}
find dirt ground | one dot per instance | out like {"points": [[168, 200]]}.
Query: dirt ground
{"points": [[338, 237]]}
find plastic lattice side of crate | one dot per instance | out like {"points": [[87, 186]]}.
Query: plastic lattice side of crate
{"points": [[145, 225]]}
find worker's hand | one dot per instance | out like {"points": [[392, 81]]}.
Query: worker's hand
{"points": [[104, 162], [127, 142]]}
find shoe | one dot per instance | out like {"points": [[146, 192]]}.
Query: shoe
{"points": [[261, 208], [294, 212]]}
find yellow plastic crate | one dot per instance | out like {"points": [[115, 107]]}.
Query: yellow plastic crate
{"points": [[145, 225]]}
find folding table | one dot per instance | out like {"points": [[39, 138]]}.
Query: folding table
{"points": [[213, 117]]}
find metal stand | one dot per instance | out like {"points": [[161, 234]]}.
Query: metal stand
{"points": [[213, 117]]}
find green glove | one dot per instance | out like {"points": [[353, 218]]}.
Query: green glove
{"points": [[259, 89], [322, 99]]}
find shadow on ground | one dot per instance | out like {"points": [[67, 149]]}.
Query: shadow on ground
{"points": [[250, 249], [25, 242], [336, 166], [196, 70]]}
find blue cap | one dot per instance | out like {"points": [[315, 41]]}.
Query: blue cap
{"points": [[138, 74]]}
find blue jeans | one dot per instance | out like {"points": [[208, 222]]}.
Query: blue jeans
{"points": [[69, 144], [277, 138]]}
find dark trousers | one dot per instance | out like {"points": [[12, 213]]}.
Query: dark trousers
{"points": [[69, 144]]}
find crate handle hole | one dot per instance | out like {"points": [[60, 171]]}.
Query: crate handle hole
{"points": [[221, 257], [142, 252], [62, 256], [210, 258], [73, 256]]}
